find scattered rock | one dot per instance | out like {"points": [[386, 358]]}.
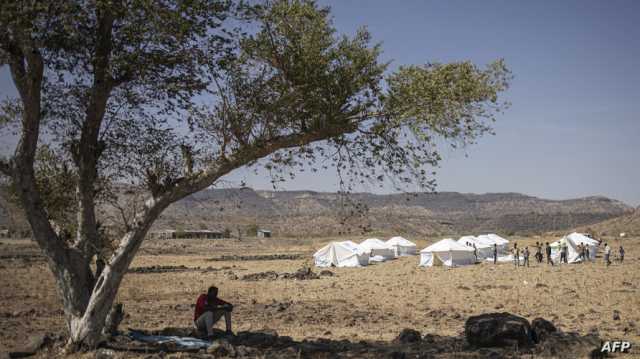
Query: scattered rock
{"points": [[498, 330], [221, 348], [541, 285], [327, 273], [499, 306], [569, 345], [616, 315], [243, 351], [37, 342], [259, 257], [542, 328], [105, 354], [408, 336], [462, 287], [301, 274], [270, 275], [162, 269]]}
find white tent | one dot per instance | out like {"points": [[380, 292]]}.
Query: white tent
{"points": [[483, 246], [375, 247], [491, 239], [573, 240], [467, 240], [402, 246], [341, 254], [446, 252], [494, 238]]}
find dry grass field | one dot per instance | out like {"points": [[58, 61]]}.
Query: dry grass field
{"points": [[371, 303]]}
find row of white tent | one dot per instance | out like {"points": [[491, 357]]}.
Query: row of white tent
{"points": [[447, 252], [452, 253], [462, 252], [351, 254]]}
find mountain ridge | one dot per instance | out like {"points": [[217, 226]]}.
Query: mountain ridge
{"points": [[316, 213], [306, 212]]}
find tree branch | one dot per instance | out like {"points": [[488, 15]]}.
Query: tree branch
{"points": [[27, 71], [89, 149]]}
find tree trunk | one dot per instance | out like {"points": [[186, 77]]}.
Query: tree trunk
{"points": [[86, 326], [86, 330]]}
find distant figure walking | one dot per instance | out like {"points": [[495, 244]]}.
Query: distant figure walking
{"points": [[581, 252], [607, 254], [621, 251], [539, 252], [587, 254], [516, 255], [547, 250], [525, 254], [495, 253], [475, 251], [563, 252]]}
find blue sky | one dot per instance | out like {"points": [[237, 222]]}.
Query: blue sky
{"points": [[573, 128]]}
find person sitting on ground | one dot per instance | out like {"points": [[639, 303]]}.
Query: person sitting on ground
{"points": [[209, 309], [621, 251], [525, 254], [548, 252]]}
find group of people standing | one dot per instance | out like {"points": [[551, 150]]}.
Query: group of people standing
{"points": [[525, 254], [584, 254]]}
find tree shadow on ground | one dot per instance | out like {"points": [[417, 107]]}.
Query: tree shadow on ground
{"points": [[409, 344]]}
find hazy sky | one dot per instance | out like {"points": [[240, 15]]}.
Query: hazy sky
{"points": [[573, 128]]}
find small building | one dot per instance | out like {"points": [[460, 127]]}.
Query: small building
{"points": [[187, 233], [264, 233]]}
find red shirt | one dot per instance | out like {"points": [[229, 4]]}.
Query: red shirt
{"points": [[202, 302]]}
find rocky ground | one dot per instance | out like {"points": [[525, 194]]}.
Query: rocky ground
{"points": [[284, 310]]}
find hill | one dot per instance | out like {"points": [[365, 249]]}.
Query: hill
{"points": [[628, 223], [320, 213], [309, 213]]}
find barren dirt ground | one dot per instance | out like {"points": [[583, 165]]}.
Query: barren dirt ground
{"points": [[371, 303]]}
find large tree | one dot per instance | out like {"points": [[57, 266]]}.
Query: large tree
{"points": [[169, 96]]}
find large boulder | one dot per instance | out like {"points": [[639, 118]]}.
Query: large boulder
{"points": [[498, 330], [542, 328], [569, 345], [409, 336]]}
